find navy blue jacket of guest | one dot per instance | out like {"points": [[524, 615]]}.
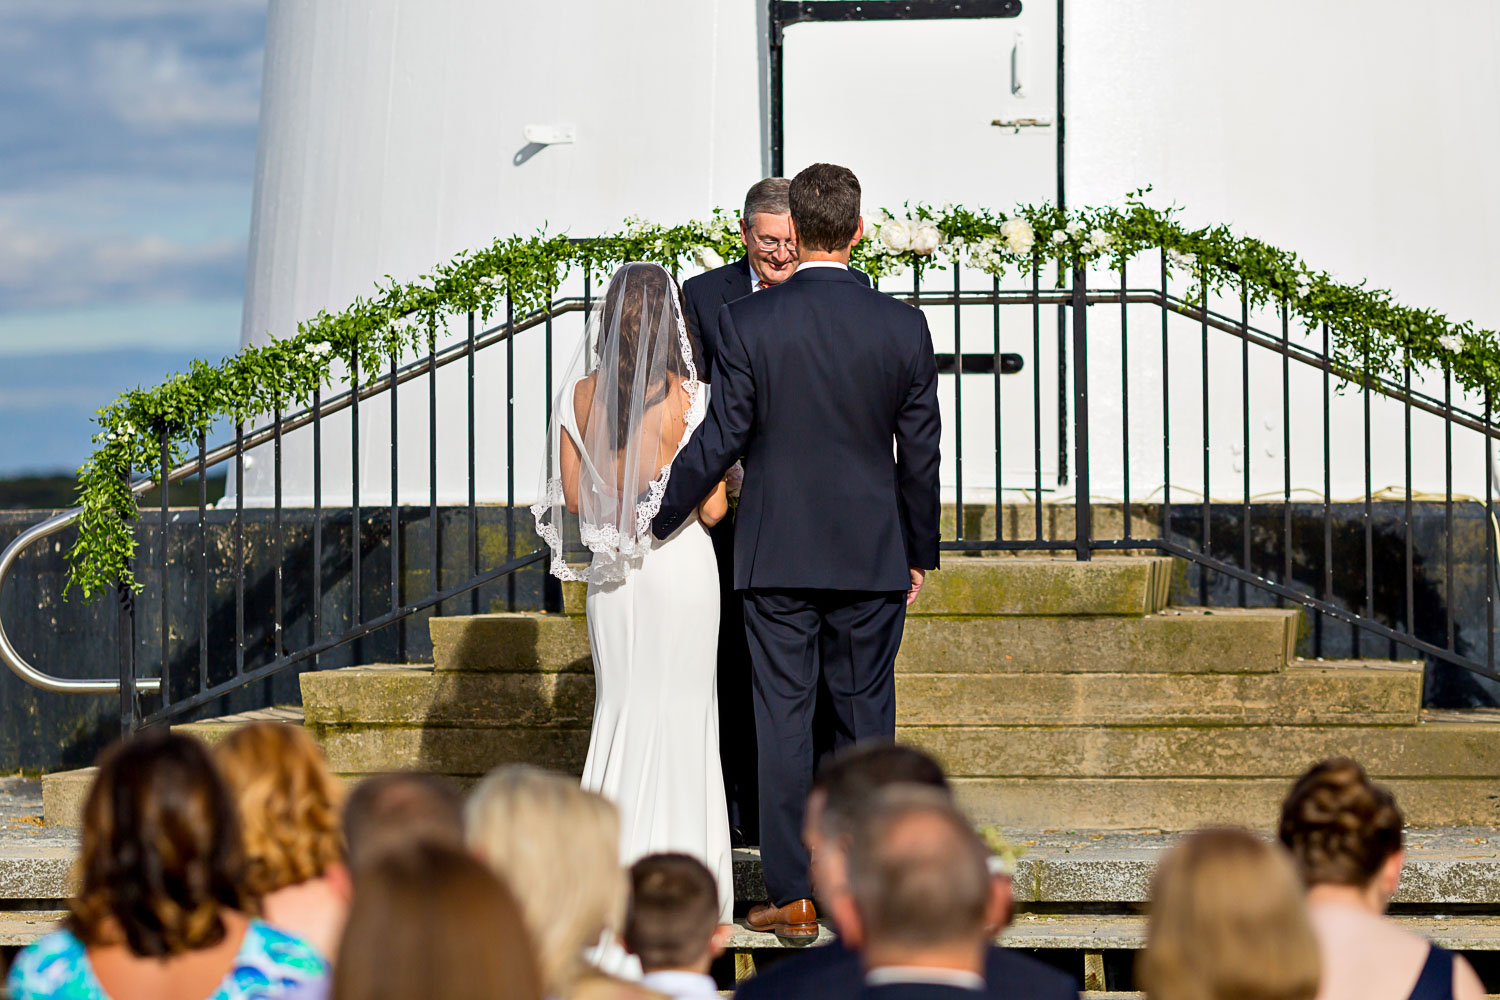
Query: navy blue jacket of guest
{"points": [[705, 293], [815, 378], [832, 972]]}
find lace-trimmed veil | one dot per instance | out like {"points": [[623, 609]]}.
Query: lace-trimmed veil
{"points": [[635, 370]]}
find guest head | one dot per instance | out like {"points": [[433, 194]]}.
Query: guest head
{"points": [[1228, 921], [288, 802], [557, 846], [432, 921], [766, 229], [824, 202], [843, 791], [399, 808], [673, 919], [919, 884], [161, 860], [1344, 830]]}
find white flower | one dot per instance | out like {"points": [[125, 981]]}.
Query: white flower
{"points": [[1059, 237], [1075, 229], [926, 238], [734, 479], [1451, 342], [493, 280], [707, 258], [1101, 239], [1188, 260], [1018, 235], [896, 235], [318, 350]]}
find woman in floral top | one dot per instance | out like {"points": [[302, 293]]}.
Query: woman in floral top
{"points": [[160, 914]]}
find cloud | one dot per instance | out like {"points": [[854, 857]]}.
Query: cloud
{"points": [[42, 268], [158, 88]]}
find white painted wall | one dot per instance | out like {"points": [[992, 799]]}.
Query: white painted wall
{"points": [[1361, 135]]}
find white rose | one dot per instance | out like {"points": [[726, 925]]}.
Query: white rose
{"points": [[1018, 234], [896, 235], [1184, 259], [1451, 342], [707, 258], [926, 238], [1059, 237], [1075, 229], [1101, 239]]}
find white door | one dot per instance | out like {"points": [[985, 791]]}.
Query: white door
{"points": [[909, 106]]}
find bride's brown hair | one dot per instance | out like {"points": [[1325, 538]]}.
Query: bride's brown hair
{"points": [[634, 288]]}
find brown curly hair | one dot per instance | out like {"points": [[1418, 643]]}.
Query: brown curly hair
{"points": [[161, 858], [289, 804], [1339, 825]]}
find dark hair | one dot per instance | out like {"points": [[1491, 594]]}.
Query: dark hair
{"points": [[674, 908], [431, 920], [766, 197], [636, 287], [398, 809], [916, 891], [824, 202], [1339, 825], [855, 777], [162, 857]]}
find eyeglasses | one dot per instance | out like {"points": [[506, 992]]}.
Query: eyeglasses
{"points": [[771, 244]]}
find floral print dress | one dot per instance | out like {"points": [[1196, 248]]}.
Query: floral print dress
{"points": [[270, 963]]}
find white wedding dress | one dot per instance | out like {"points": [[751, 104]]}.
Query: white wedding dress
{"points": [[654, 745]]}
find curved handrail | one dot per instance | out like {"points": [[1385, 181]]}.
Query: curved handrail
{"points": [[52, 525], [13, 659]]}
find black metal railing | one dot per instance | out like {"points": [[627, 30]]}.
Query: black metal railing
{"points": [[236, 595]]}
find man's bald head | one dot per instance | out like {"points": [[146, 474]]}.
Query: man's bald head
{"points": [[918, 873]]}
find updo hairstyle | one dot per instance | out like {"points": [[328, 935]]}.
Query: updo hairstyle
{"points": [[1340, 826]]}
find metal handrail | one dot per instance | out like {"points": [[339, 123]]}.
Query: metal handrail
{"points": [[503, 331], [52, 525]]}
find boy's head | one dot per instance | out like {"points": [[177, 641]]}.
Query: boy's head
{"points": [[673, 921]]}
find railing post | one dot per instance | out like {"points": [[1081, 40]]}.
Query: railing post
{"points": [[1082, 506], [130, 706]]}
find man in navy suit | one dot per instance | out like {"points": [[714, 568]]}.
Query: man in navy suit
{"points": [[828, 390], [845, 791], [770, 258], [919, 899]]}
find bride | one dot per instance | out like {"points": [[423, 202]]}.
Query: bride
{"points": [[630, 400]]}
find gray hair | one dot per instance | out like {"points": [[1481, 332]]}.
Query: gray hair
{"points": [[768, 196], [918, 887]]}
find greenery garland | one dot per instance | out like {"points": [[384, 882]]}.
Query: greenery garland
{"points": [[1370, 332]]}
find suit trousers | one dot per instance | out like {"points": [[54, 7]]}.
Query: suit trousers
{"points": [[798, 638]]}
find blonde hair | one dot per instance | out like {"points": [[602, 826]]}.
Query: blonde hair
{"points": [[289, 804], [558, 848], [1228, 922]]}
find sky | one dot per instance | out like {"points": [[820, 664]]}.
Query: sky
{"points": [[127, 158]]}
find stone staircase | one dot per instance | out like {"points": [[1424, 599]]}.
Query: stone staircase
{"points": [[1074, 708]]}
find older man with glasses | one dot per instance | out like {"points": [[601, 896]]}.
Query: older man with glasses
{"points": [[770, 258]]}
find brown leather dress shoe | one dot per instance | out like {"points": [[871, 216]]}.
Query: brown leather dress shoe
{"points": [[795, 924]]}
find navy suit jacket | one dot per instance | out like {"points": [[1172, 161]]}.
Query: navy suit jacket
{"points": [[816, 378], [705, 293], [832, 972]]}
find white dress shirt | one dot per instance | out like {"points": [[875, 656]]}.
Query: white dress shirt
{"points": [[822, 263], [681, 985], [959, 978]]}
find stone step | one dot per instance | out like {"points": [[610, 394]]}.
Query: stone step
{"points": [[1110, 870], [1327, 692], [1026, 585], [1187, 803], [1175, 640], [213, 730], [1127, 932]]}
